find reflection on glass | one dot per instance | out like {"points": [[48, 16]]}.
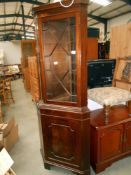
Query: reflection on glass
{"points": [[60, 59]]}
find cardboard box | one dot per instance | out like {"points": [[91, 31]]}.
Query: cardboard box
{"points": [[7, 127], [10, 140], [10, 134], [10, 172]]}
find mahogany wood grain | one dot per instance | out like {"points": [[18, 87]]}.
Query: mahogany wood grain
{"points": [[65, 126], [45, 13], [65, 137], [92, 48], [112, 141]]}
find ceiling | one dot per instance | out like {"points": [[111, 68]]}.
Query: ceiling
{"points": [[16, 18]]}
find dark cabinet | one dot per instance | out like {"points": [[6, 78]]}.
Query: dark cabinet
{"points": [[63, 115], [100, 73], [112, 141]]}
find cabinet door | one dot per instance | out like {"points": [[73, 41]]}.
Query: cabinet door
{"points": [[110, 142], [127, 137], [62, 139]]}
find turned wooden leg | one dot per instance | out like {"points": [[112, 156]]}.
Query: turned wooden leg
{"points": [[106, 112], [129, 107]]}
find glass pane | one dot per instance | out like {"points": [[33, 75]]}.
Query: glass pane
{"points": [[60, 59]]}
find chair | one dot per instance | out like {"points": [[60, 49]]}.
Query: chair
{"points": [[110, 96], [122, 74], [2, 92], [8, 89]]}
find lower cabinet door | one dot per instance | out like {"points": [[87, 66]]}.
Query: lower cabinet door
{"points": [[110, 142], [127, 137], [66, 143]]}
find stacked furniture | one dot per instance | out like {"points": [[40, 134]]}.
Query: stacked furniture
{"points": [[28, 48], [12, 71], [10, 134], [1, 116], [120, 43], [2, 92], [6, 91], [34, 78]]}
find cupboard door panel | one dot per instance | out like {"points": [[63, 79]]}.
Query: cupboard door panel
{"points": [[110, 143], [59, 135], [127, 137], [62, 139]]}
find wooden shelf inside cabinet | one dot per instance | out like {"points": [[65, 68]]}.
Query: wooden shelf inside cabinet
{"points": [[62, 111], [112, 141]]}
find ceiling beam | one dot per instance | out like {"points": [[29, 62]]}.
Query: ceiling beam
{"points": [[11, 30], [124, 13], [15, 15], [16, 11], [4, 14], [127, 1], [34, 2], [14, 34], [97, 18], [9, 34], [16, 24], [100, 19], [110, 11], [23, 20], [27, 1]]}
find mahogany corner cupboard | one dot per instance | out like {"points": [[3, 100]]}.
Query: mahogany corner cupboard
{"points": [[64, 119]]}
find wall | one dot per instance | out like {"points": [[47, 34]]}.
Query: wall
{"points": [[113, 22], [12, 51], [118, 21]]}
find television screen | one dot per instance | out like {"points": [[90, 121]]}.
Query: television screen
{"points": [[100, 73]]}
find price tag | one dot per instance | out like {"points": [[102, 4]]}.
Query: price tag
{"points": [[5, 161]]}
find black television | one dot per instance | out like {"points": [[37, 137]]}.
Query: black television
{"points": [[100, 72]]}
